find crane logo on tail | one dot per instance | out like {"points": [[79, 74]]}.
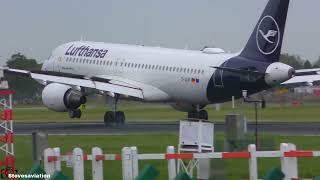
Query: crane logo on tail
{"points": [[268, 35]]}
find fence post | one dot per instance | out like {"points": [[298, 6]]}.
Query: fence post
{"points": [[77, 160], [57, 163], [97, 165], [172, 172], [289, 165], [135, 163], [127, 170], [253, 164], [49, 166]]}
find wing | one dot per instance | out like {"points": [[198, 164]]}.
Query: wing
{"points": [[303, 72], [98, 83], [303, 77], [307, 80]]}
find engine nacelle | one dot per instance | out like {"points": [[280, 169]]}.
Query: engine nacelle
{"points": [[278, 73], [186, 107], [61, 97]]}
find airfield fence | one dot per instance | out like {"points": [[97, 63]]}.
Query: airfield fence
{"points": [[130, 160]]}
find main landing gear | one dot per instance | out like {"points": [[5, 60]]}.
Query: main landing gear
{"points": [[114, 117], [117, 117], [75, 113], [202, 114]]}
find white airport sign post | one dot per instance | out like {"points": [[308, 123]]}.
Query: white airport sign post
{"points": [[196, 136]]}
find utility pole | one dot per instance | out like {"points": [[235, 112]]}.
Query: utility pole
{"points": [[256, 103]]}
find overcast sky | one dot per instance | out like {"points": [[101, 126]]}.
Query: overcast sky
{"points": [[35, 27]]}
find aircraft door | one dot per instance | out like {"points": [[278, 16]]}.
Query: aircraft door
{"points": [[218, 78]]}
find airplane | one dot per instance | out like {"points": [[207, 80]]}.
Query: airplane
{"points": [[186, 79]]}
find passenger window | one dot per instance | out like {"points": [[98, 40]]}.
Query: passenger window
{"points": [[188, 70], [110, 63], [202, 71]]}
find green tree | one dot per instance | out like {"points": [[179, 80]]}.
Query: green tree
{"points": [[294, 61], [307, 65], [317, 64], [25, 87]]}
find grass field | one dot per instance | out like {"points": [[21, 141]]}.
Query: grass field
{"points": [[156, 143], [155, 112]]}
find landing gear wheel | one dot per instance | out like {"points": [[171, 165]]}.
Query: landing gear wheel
{"points": [[108, 118], [120, 117], [76, 113], [192, 115], [203, 114]]}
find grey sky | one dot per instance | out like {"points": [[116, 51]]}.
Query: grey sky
{"points": [[35, 27]]}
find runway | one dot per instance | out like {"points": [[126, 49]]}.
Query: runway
{"points": [[283, 128]]}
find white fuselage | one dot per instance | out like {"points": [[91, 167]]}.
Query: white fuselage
{"points": [[182, 74]]}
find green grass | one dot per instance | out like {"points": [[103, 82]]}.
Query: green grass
{"points": [[155, 112], [156, 143]]}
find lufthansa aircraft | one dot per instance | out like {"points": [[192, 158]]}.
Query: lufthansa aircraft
{"points": [[188, 80]]}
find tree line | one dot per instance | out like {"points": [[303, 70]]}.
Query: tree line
{"points": [[28, 90]]}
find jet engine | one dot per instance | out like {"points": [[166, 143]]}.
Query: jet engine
{"points": [[277, 73], [61, 97]]}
